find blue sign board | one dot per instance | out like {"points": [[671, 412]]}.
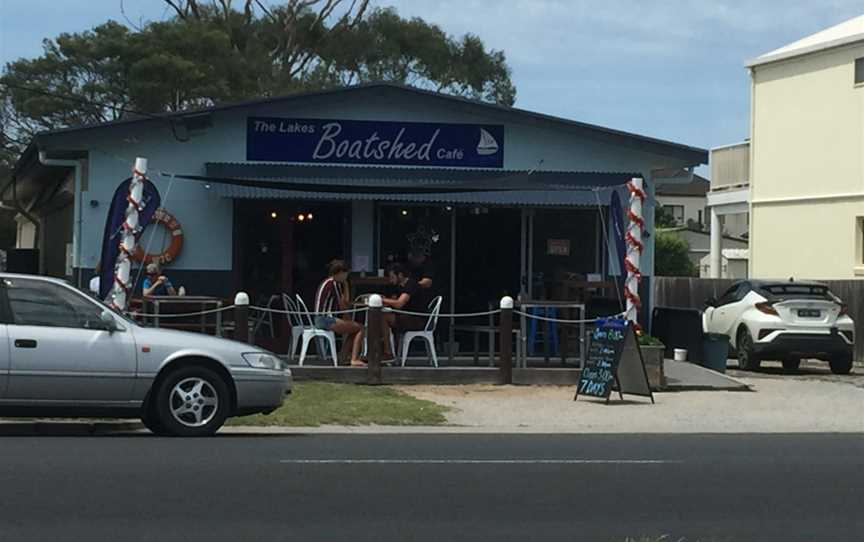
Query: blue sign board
{"points": [[320, 141]]}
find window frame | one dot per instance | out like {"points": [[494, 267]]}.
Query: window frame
{"points": [[7, 315], [672, 208], [858, 72]]}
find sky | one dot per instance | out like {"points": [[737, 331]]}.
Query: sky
{"points": [[663, 68]]}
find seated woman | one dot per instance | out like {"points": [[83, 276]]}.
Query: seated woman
{"points": [[410, 299], [332, 295]]}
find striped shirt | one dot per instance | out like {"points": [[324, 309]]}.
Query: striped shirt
{"points": [[328, 296]]}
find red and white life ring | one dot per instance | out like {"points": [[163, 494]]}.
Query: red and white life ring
{"points": [[170, 223]]}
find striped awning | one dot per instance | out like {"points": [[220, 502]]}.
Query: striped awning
{"points": [[423, 185]]}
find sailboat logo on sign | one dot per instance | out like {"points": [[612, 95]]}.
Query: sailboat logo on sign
{"points": [[487, 144]]}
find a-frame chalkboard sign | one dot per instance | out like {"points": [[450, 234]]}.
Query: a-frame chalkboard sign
{"points": [[614, 361]]}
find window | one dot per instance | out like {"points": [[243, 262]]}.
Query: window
{"points": [[734, 294], [859, 71], [677, 212], [39, 303]]}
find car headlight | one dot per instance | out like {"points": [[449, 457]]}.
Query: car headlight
{"points": [[262, 360]]}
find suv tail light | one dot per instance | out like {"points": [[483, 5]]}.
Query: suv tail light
{"points": [[766, 308], [844, 310]]}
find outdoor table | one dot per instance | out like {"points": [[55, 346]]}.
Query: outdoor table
{"points": [[526, 306], [156, 304]]}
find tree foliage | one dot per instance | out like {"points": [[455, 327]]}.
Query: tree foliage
{"points": [[671, 256], [215, 52]]}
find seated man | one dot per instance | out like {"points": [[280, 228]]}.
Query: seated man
{"points": [[332, 295], [409, 299], [156, 284]]}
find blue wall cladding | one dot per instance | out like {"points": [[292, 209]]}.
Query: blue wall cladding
{"points": [[322, 141]]}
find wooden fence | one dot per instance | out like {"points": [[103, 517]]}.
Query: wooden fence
{"points": [[691, 293]]}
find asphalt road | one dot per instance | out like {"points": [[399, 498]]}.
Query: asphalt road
{"points": [[433, 487]]}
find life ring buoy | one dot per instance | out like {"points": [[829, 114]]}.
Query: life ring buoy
{"points": [[170, 223]]}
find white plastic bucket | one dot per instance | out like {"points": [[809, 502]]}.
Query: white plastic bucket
{"points": [[680, 354]]}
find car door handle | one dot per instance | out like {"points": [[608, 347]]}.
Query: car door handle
{"points": [[25, 343]]}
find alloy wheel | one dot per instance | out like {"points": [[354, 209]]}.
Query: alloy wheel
{"points": [[193, 402]]}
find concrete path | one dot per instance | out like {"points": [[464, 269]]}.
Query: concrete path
{"points": [[775, 406]]}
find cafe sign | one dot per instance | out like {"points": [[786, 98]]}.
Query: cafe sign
{"points": [[323, 141]]}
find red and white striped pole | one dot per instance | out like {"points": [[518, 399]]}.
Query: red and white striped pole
{"points": [[633, 237], [123, 266]]}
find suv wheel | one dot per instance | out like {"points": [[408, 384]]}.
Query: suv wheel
{"points": [[791, 364], [841, 364], [747, 360], [192, 402]]}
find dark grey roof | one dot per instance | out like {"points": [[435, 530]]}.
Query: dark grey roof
{"points": [[699, 186], [692, 155]]}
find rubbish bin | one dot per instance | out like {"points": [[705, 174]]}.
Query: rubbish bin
{"points": [[715, 350]]}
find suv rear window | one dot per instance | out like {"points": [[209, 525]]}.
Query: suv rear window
{"points": [[798, 291]]}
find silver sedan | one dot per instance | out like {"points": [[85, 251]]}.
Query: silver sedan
{"points": [[62, 353]]}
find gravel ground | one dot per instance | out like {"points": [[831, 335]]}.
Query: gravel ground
{"points": [[811, 402]]}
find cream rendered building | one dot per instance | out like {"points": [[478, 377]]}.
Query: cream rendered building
{"points": [[807, 157]]}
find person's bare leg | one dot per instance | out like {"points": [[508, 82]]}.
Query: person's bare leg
{"points": [[348, 330], [355, 349]]}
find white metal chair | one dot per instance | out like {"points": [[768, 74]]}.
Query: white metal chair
{"points": [[312, 332], [428, 333], [297, 325]]}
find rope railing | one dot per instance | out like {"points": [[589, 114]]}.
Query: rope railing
{"points": [[310, 313], [563, 320], [442, 314], [366, 309], [175, 315]]}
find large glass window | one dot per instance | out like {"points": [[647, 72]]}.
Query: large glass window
{"points": [[40, 303]]}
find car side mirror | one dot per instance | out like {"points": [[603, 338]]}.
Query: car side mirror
{"points": [[108, 322], [711, 302]]}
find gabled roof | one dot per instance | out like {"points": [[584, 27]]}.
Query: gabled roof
{"points": [[693, 155], [845, 33]]}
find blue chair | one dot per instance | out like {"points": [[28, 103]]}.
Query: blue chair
{"points": [[549, 331]]}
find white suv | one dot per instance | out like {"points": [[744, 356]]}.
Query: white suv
{"points": [[783, 320]]}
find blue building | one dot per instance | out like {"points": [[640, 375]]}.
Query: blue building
{"points": [[280, 186]]}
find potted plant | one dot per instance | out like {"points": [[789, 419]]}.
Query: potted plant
{"points": [[653, 351]]}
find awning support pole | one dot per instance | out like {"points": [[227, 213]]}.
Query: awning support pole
{"points": [[452, 333], [634, 249]]}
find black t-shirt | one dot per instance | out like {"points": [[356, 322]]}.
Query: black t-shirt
{"points": [[424, 270], [415, 299]]}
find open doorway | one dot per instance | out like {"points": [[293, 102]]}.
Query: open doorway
{"points": [[283, 246]]}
